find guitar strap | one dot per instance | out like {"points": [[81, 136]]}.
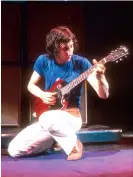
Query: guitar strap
{"points": [[74, 64]]}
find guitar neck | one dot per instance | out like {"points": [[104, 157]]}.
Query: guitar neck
{"points": [[66, 89]]}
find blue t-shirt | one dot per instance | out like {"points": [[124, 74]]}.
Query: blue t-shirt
{"points": [[50, 70]]}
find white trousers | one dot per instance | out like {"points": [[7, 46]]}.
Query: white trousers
{"points": [[56, 124]]}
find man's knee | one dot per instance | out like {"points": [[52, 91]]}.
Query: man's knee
{"points": [[13, 152]]}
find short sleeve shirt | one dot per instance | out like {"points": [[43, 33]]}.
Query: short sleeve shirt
{"points": [[50, 70]]}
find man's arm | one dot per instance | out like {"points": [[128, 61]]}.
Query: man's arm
{"points": [[47, 97], [98, 81], [32, 85]]}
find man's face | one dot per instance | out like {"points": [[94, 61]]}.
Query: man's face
{"points": [[66, 51]]}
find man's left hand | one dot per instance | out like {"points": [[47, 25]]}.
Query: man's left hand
{"points": [[99, 68]]}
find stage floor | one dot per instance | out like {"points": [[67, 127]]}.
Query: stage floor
{"points": [[106, 160]]}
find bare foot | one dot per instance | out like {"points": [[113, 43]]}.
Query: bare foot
{"points": [[76, 152]]}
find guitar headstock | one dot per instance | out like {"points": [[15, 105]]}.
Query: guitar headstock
{"points": [[118, 54]]}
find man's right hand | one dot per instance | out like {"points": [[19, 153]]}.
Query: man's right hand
{"points": [[49, 97]]}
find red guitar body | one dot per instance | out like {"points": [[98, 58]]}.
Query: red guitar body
{"points": [[61, 102]]}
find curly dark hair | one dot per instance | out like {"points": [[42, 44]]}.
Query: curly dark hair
{"points": [[60, 34]]}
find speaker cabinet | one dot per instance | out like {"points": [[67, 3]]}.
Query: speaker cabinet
{"points": [[10, 96]]}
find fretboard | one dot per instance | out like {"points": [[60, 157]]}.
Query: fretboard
{"points": [[66, 89]]}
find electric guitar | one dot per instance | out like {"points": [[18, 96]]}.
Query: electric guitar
{"points": [[63, 91]]}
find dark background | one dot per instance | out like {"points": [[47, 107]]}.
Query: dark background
{"points": [[99, 27]]}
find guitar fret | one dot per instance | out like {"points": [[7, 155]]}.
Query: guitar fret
{"points": [[103, 61], [66, 89]]}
